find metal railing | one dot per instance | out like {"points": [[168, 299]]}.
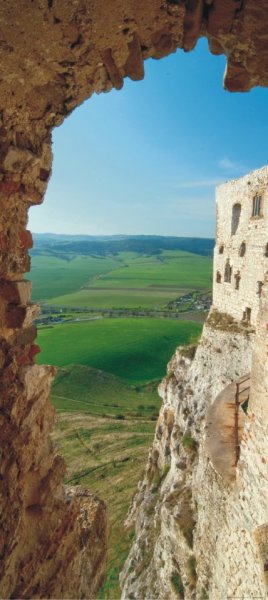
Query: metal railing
{"points": [[239, 402]]}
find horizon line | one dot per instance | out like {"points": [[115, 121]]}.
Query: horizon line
{"points": [[47, 233]]}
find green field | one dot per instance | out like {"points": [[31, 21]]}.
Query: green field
{"points": [[136, 350], [106, 418], [91, 391], [104, 430], [107, 456], [128, 280], [61, 274]]}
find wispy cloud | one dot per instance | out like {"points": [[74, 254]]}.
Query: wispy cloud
{"points": [[231, 166]]}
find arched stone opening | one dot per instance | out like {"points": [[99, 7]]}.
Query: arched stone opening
{"points": [[242, 249], [236, 211], [84, 48], [237, 280], [257, 206], [218, 277], [227, 272]]}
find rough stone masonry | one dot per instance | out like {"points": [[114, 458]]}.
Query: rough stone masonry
{"points": [[241, 250], [54, 55]]}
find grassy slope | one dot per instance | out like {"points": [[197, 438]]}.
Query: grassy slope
{"points": [[102, 451], [101, 454], [136, 350], [91, 391]]}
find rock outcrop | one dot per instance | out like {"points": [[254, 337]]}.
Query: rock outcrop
{"points": [[54, 55]]}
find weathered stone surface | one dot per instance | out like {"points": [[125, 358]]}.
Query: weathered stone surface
{"points": [[245, 248], [181, 492], [16, 292], [85, 48], [48, 535], [53, 55]]}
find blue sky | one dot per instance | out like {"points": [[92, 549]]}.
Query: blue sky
{"points": [[146, 159]]}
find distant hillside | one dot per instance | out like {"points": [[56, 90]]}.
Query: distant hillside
{"points": [[103, 245]]}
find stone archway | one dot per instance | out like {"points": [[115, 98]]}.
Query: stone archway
{"points": [[55, 54]]}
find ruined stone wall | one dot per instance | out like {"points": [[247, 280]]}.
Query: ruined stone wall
{"points": [[53, 55], [56, 53], [246, 250], [47, 531], [232, 531]]}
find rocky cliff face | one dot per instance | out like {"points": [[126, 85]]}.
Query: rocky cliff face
{"points": [[194, 538]]}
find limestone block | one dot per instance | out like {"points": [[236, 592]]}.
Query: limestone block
{"points": [[26, 239], [17, 159], [16, 292], [18, 315], [114, 73], [261, 536], [134, 65], [24, 336]]}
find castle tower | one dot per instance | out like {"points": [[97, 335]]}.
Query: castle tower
{"points": [[241, 250]]}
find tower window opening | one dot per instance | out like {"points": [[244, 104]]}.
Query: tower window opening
{"points": [[235, 217], [228, 272], [266, 250], [242, 249], [218, 277], [247, 315], [237, 280], [259, 287], [256, 206], [221, 249]]}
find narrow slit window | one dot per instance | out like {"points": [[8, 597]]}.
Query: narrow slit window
{"points": [[236, 211], [237, 280], [242, 249], [247, 315], [221, 249], [227, 272], [218, 277], [259, 287], [266, 250], [256, 206]]}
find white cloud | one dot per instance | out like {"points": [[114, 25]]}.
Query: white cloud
{"points": [[230, 165]]}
